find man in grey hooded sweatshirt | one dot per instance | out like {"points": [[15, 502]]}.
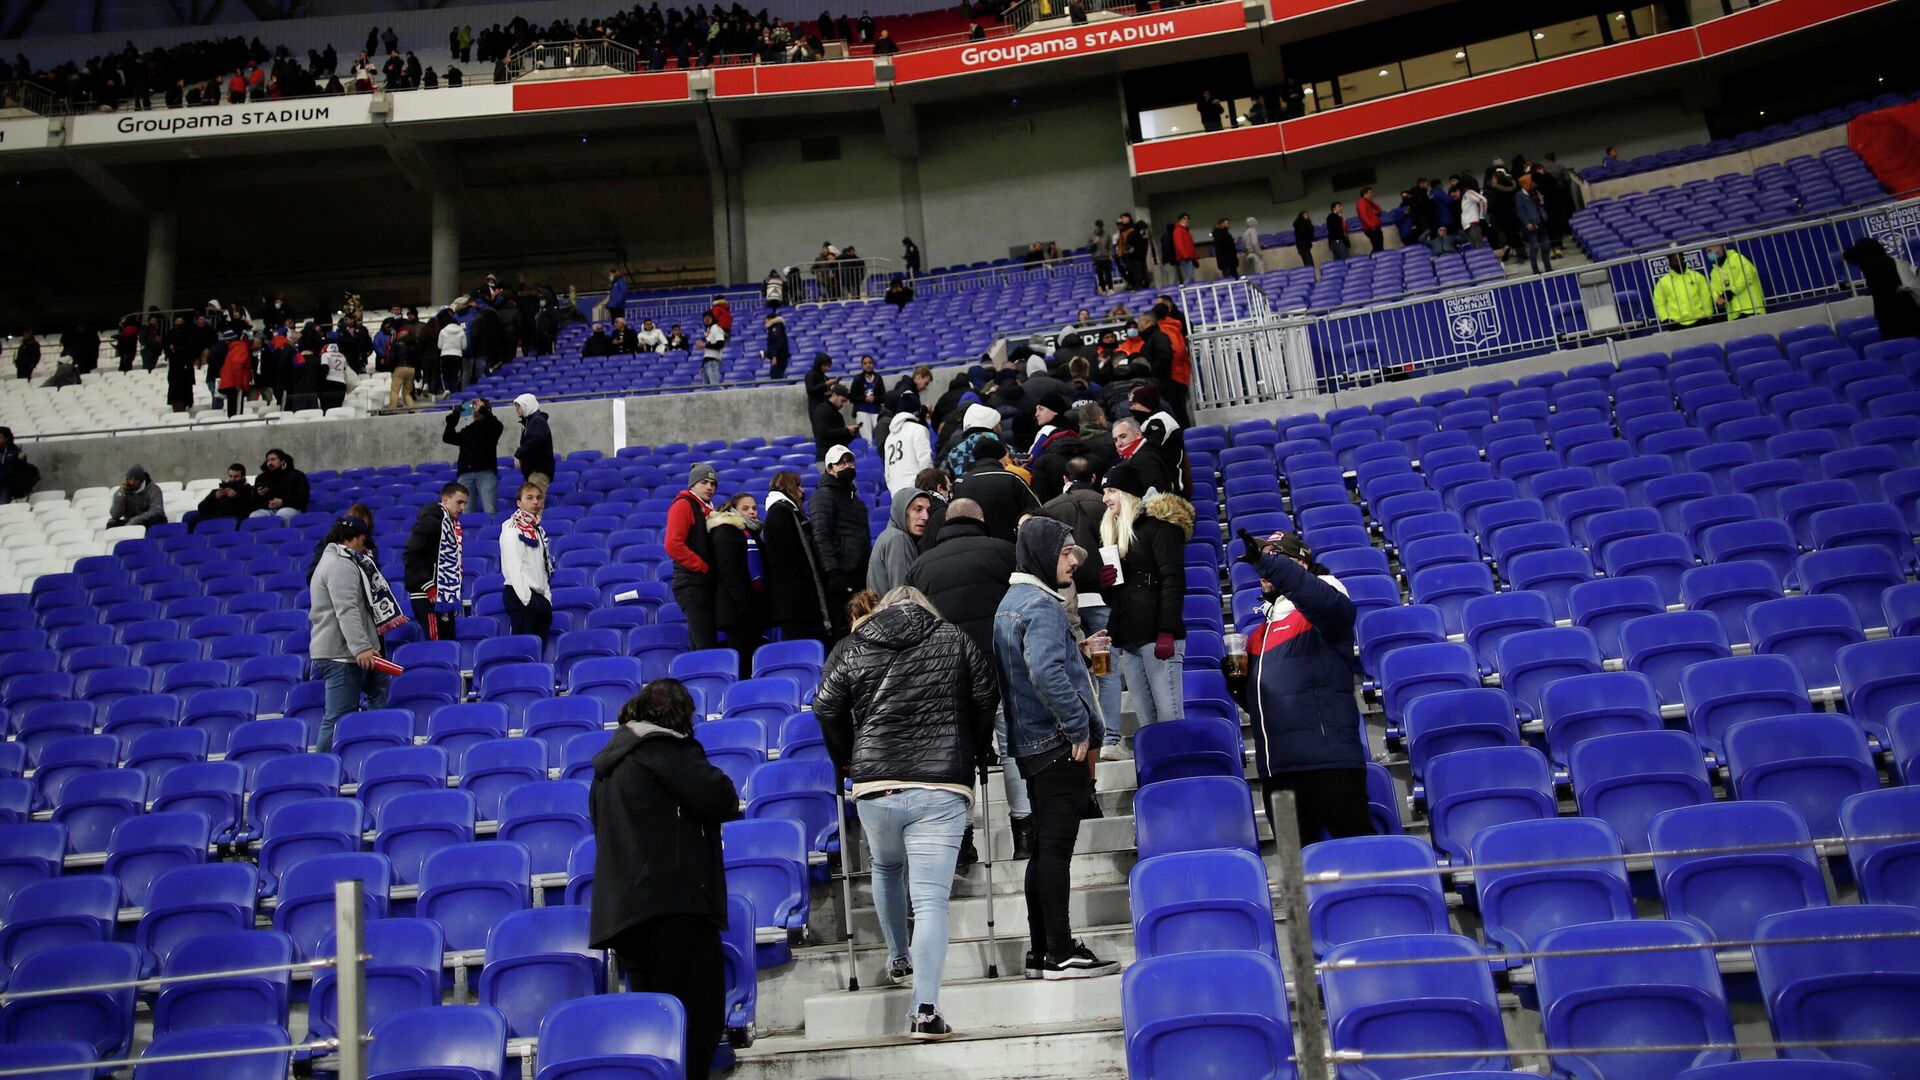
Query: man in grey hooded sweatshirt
{"points": [[137, 501], [1250, 244], [894, 552]]}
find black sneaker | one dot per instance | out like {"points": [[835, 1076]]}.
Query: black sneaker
{"points": [[899, 971], [1078, 964], [1034, 967], [1022, 836], [969, 855], [927, 1025]]}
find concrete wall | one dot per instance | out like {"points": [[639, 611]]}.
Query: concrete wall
{"points": [[792, 205], [1743, 161]]}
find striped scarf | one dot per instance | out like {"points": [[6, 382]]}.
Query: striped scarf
{"points": [[375, 590], [533, 534], [447, 563]]}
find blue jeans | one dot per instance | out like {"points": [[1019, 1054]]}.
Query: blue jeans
{"points": [[710, 373], [1018, 805], [913, 841], [283, 512], [1539, 253], [485, 488], [347, 682], [1094, 619], [1155, 684]]}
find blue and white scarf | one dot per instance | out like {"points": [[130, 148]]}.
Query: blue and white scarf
{"points": [[448, 561], [375, 590]]}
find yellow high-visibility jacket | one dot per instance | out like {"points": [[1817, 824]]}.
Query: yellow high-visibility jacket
{"points": [[1736, 279], [1682, 298]]}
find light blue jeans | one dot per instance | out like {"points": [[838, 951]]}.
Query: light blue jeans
{"points": [[485, 488], [1155, 684], [1018, 805], [284, 512], [1107, 686], [347, 683], [913, 841], [710, 373]]}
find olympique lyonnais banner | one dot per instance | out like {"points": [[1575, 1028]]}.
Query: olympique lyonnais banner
{"points": [[1084, 40], [181, 125], [30, 134]]}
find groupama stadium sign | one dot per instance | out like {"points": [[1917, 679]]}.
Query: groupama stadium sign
{"points": [[1084, 40], [304, 114]]}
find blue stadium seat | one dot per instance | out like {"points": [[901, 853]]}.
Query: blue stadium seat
{"points": [[190, 901], [254, 744], [1799, 502], [1810, 631], [1782, 1069], [1471, 789], [1446, 1006], [548, 817], [1858, 575], [158, 752], [305, 911], [1629, 779], [468, 1042], [214, 789], [1727, 590], [1859, 982], [1456, 720], [1381, 632], [1728, 894], [1669, 996], [1879, 677], [268, 1063], [1518, 906], [130, 717], [259, 998], [1810, 761], [1662, 646], [1197, 746], [50, 1054], [388, 774], [30, 852], [498, 765], [1529, 661], [516, 686], [404, 973], [1341, 911], [92, 803], [420, 694], [360, 735], [1602, 606], [1206, 1011], [1555, 573], [499, 651], [766, 862], [639, 1035], [1488, 620], [1194, 813], [576, 757], [580, 871], [537, 959], [412, 826], [142, 848], [102, 1019], [711, 670], [610, 681], [1583, 707], [1194, 901], [457, 728], [469, 887], [1415, 671], [55, 913], [1873, 524], [1888, 870], [799, 660], [1449, 588]]}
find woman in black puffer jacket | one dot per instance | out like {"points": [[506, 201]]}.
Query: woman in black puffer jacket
{"points": [[906, 710]]}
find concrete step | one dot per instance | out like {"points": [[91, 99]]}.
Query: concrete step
{"points": [[1032, 1052], [1102, 905], [1010, 875], [822, 969], [1008, 1001]]}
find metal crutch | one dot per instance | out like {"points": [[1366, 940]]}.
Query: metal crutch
{"points": [[846, 888], [986, 843]]}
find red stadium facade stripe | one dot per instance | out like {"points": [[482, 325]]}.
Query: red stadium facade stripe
{"points": [[588, 93], [1088, 40]]}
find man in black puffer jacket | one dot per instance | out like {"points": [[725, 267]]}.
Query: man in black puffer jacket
{"points": [[1003, 497], [906, 711], [966, 574], [840, 528]]}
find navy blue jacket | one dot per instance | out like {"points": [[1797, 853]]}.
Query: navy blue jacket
{"points": [[1299, 690]]}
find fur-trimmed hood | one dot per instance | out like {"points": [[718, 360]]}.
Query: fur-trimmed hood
{"points": [[1173, 510]]}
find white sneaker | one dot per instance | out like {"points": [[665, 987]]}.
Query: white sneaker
{"points": [[1115, 752]]}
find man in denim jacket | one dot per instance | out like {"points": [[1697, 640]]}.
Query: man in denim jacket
{"points": [[1053, 716]]}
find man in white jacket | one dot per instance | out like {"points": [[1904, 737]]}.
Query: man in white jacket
{"points": [[650, 338], [526, 562], [451, 344], [909, 445]]}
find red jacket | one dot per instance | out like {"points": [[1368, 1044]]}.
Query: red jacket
{"points": [[236, 371], [1369, 212], [680, 522], [1183, 243], [723, 315]]}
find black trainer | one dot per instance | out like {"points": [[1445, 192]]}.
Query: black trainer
{"points": [[1022, 828], [1080, 963], [927, 1025], [1035, 966], [969, 855], [899, 971]]}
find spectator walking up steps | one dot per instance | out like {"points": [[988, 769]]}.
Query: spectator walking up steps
{"points": [[434, 559], [909, 444], [1186, 257], [1224, 255], [840, 528], [1299, 690], [796, 585], [739, 579], [657, 806], [690, 546], [830, 427], [137, 501], [526, 562], [899, 542], [1142, 577], [534, 456], [352, 606], [478, 464], [1734, 283], [1532, 214], [906, 711], [451, 344], [1053, 726], [1369, 211]]}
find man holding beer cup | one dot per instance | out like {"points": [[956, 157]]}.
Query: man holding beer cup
{"points": [[1295, 677]]}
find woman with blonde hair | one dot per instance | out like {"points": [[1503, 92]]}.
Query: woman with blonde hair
{"points": [[1145, 590]]}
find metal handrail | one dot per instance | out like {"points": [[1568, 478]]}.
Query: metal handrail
{"points": [[594, 53]]}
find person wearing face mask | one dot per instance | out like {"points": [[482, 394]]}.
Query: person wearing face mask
{"points": [[1735, 284], [840, 528], [1682, 295], [1299, 690]]}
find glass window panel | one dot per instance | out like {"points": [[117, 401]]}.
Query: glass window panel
{"points": [[1501, 53], [1434, 68], [1573, 36]]}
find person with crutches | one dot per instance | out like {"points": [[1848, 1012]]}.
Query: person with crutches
{"points": [[906, 709]]}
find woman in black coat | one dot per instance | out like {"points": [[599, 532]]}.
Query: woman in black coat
{"points": [[1147, 591], [796, 595], [660, 884], [1303, 238], [1894, 308], [737, 608]]}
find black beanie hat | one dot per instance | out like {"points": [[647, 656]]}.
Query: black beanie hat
{"points": [[1127, 478]]}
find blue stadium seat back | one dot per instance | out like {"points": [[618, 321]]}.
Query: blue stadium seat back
{"points": [[1887, 870], [1629, 779], [1879, 678], [289, 779], [305, 911], [1383, 801], [1861, 981], [1488, 620], [1670, 996], [1381, 632], [1458, 720], [1469, 790], [580, 871], [712, 670], [1810, 761], [1799, 502], [1602, 606], [64, 758], [142, 848], [48, 1055], [1553, 572], [800, 660], [548, 817], [1583, 707], [609, 680], [1783, 1069], [93, 803], [800, 738], [58, 912], [507, 649], [247, 999], [191, 901], [555, 720], [498, 765], [766, 862], [162, 750], [421, 693], [404, 973], [577, 646], [1728, 894], [429, 656], [637, 1034], [1530, 660], [390, 773], [576, 756], [1203, 1010], [457, 728], [414, 825], [1197, 746], [1444, 1004], [469, 887], [1415, 671], [213, 788], [1858, 575], [360, 735], [1662, 646], [1809, 631], [1339, 911], [269, 1063], [101, 1019], [656, 646], [537, 959], [1193, 813], [1659, 557], [517, 685], [1449, 587], [468, 1041], [1195, 901], [1902, 605], [254, 744], [30, 851], [1727, 590], [1518, 906]]}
